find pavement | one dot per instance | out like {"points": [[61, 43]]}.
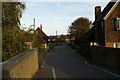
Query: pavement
{"points": [[63, 62]]}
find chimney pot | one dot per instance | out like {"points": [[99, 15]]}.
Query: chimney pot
{"points": [[41, 26]]}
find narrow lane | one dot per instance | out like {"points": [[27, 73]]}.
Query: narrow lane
{"points": [[0, 71], [63, 62]]}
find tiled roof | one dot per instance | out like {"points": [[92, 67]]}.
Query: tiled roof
{"points": [[106, 10], [41, 32], [41, 40], [42, 35]]}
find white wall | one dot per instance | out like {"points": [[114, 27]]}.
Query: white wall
{"points": [[116, 45]]}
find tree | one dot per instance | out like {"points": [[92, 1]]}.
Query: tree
{"points": [[79, 27], [12, 36], [11, 13]]}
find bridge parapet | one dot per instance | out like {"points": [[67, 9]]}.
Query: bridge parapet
{"points": [[24, 65]]}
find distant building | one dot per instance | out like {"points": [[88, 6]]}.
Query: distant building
{"points": [[52, 39], [106, 27]]}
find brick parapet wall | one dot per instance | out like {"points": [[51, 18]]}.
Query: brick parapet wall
{"points": [[106, 56], [24, 65]]}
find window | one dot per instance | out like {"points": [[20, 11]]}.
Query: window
{"points": [[118, 24], [116, 45], [93, 44]]}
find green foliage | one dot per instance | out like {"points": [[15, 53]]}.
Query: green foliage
{"points": [[51, 44], [62, 38], [14, 41], [42, 51], [11, 13], [13, 38], [79, 27]]}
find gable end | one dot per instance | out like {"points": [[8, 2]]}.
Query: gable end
{"points": [[111, 10]]}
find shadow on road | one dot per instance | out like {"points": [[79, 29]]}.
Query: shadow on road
{"points": [[67, 64]]}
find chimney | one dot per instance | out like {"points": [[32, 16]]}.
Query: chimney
{"points": [[97, 12], [41, 26]]}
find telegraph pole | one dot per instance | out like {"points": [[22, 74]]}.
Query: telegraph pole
{"points": [[56, 33], [35, 33], [34, 24], [56, 38]]}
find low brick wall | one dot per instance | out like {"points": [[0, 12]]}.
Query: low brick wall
{"points": [[24, 65], [106, 56], [84, 50]]}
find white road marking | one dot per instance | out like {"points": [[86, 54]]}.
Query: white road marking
{"points": [[104, 70], [98, 67], [0, 71], [54, 75], [44, 60]]}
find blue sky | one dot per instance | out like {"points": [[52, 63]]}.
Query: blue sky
{"points": [[57, 15]]}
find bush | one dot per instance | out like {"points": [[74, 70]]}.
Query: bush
{"points": [[13, 37], [14, 42]]}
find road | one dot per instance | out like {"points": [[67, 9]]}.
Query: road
{"points": [[63, 62], [0, 71]]}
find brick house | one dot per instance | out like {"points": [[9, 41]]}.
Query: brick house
{"points": [[106, 27]]}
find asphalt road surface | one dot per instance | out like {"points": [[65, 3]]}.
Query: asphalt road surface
{"points": [[0, 70], [63, 62]]}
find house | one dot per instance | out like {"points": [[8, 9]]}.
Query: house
{"points": [[42, 38], [106, 27], [52, 39]]}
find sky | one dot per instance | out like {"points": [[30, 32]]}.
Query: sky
{"points": [[57, 15]]}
